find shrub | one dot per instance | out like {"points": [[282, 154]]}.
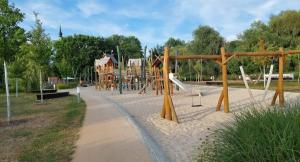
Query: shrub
{"points": [[66, 86], [265, 135]]}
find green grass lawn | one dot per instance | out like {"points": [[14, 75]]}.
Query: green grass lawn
{"points": [[40, 132]]}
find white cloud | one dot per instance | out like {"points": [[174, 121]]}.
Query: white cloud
{"points": [[153, 21], [91, 7]]}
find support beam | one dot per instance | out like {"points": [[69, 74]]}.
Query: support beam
{"points": [[168, 111], [229, 58], [225, 81], [280, 78], [218, 108], [274, 98]]}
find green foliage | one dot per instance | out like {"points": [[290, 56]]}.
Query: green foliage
{"points": [[257, 135], [74, 53], [35, 56], [206, 41], [130, 46], [11, 34], [172, 42], [286, 25], [66, 85]]}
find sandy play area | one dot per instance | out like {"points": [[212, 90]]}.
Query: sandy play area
{"points": [[181, 142]]}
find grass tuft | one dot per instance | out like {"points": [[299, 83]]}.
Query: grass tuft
{"points": [[257, 135]]}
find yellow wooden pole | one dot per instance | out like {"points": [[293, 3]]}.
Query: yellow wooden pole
{"points": [[168, 111], [225, 82], [218, 108], [280, 77]]}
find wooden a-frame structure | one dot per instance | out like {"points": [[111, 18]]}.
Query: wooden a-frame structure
{"points": [[168, 110]]}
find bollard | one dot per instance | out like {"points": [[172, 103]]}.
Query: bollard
{"points": [[78, 94]]}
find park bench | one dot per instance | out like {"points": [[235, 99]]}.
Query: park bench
{"points": [[213, 82], [45, 91], [52, 95]]}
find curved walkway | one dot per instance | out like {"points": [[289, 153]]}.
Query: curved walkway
{"points": [[106, 135]]}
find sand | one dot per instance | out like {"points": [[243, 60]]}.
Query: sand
{"points": [[180, 142]]}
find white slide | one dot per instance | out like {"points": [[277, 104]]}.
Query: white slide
{"points": [[177, 82]]}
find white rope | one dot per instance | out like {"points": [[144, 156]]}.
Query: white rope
{"points": [[247, 86], [269, 81]]}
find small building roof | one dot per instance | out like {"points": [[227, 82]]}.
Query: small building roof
{"points": [[112, 58], [105, 60], [134, 62], [102, 61]]}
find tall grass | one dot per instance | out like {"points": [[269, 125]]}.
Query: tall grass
{"points": [[257, 135]]}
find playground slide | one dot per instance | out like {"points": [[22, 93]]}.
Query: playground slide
{"points": [[177, 82]]}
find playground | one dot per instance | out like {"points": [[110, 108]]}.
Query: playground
{"points": [[149, 81], [181, 142], [196, 111]]}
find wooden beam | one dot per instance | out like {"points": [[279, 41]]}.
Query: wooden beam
{"points": [[232, 54], [255, 54], [195, 57], [225, 81], [274, 98], [168, 111], [280, 77], [219, 62], [218, 108], [229, 58]]}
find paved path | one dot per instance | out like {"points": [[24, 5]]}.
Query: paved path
{"points": [[106, 135]]}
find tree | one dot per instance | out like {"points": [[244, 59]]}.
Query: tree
{"points": [[130, 46], [75, 53], [11, 34], [287, 26], [36, 54], [206, 41], [172, 42]]}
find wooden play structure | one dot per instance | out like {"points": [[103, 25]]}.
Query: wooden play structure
{"points": [[156, 72], [168, 111], [154, 78], [132, 78], [105, 70]]}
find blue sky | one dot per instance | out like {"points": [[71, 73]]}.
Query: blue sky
{"points": [[152, 21]]}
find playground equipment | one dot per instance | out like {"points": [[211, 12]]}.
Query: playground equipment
{"points": [[133, 74], [168, 111], [247, 86], [268, 82], [105, 70], [177, 82]]}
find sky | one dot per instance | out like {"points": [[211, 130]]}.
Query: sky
{"points": [[152, 21]]}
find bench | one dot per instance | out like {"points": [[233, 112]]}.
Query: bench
{"points": [[213, 82], [52, 95], [45, 91]]}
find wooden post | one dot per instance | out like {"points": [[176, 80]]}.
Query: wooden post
{"points": [[280, 89], [218, 108], [96, 77], [120, 70], [225, 82], [274, 98], [168, 111], [280, 78]]}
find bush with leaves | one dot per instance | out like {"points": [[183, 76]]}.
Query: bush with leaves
{"points": [[257, 135]]}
